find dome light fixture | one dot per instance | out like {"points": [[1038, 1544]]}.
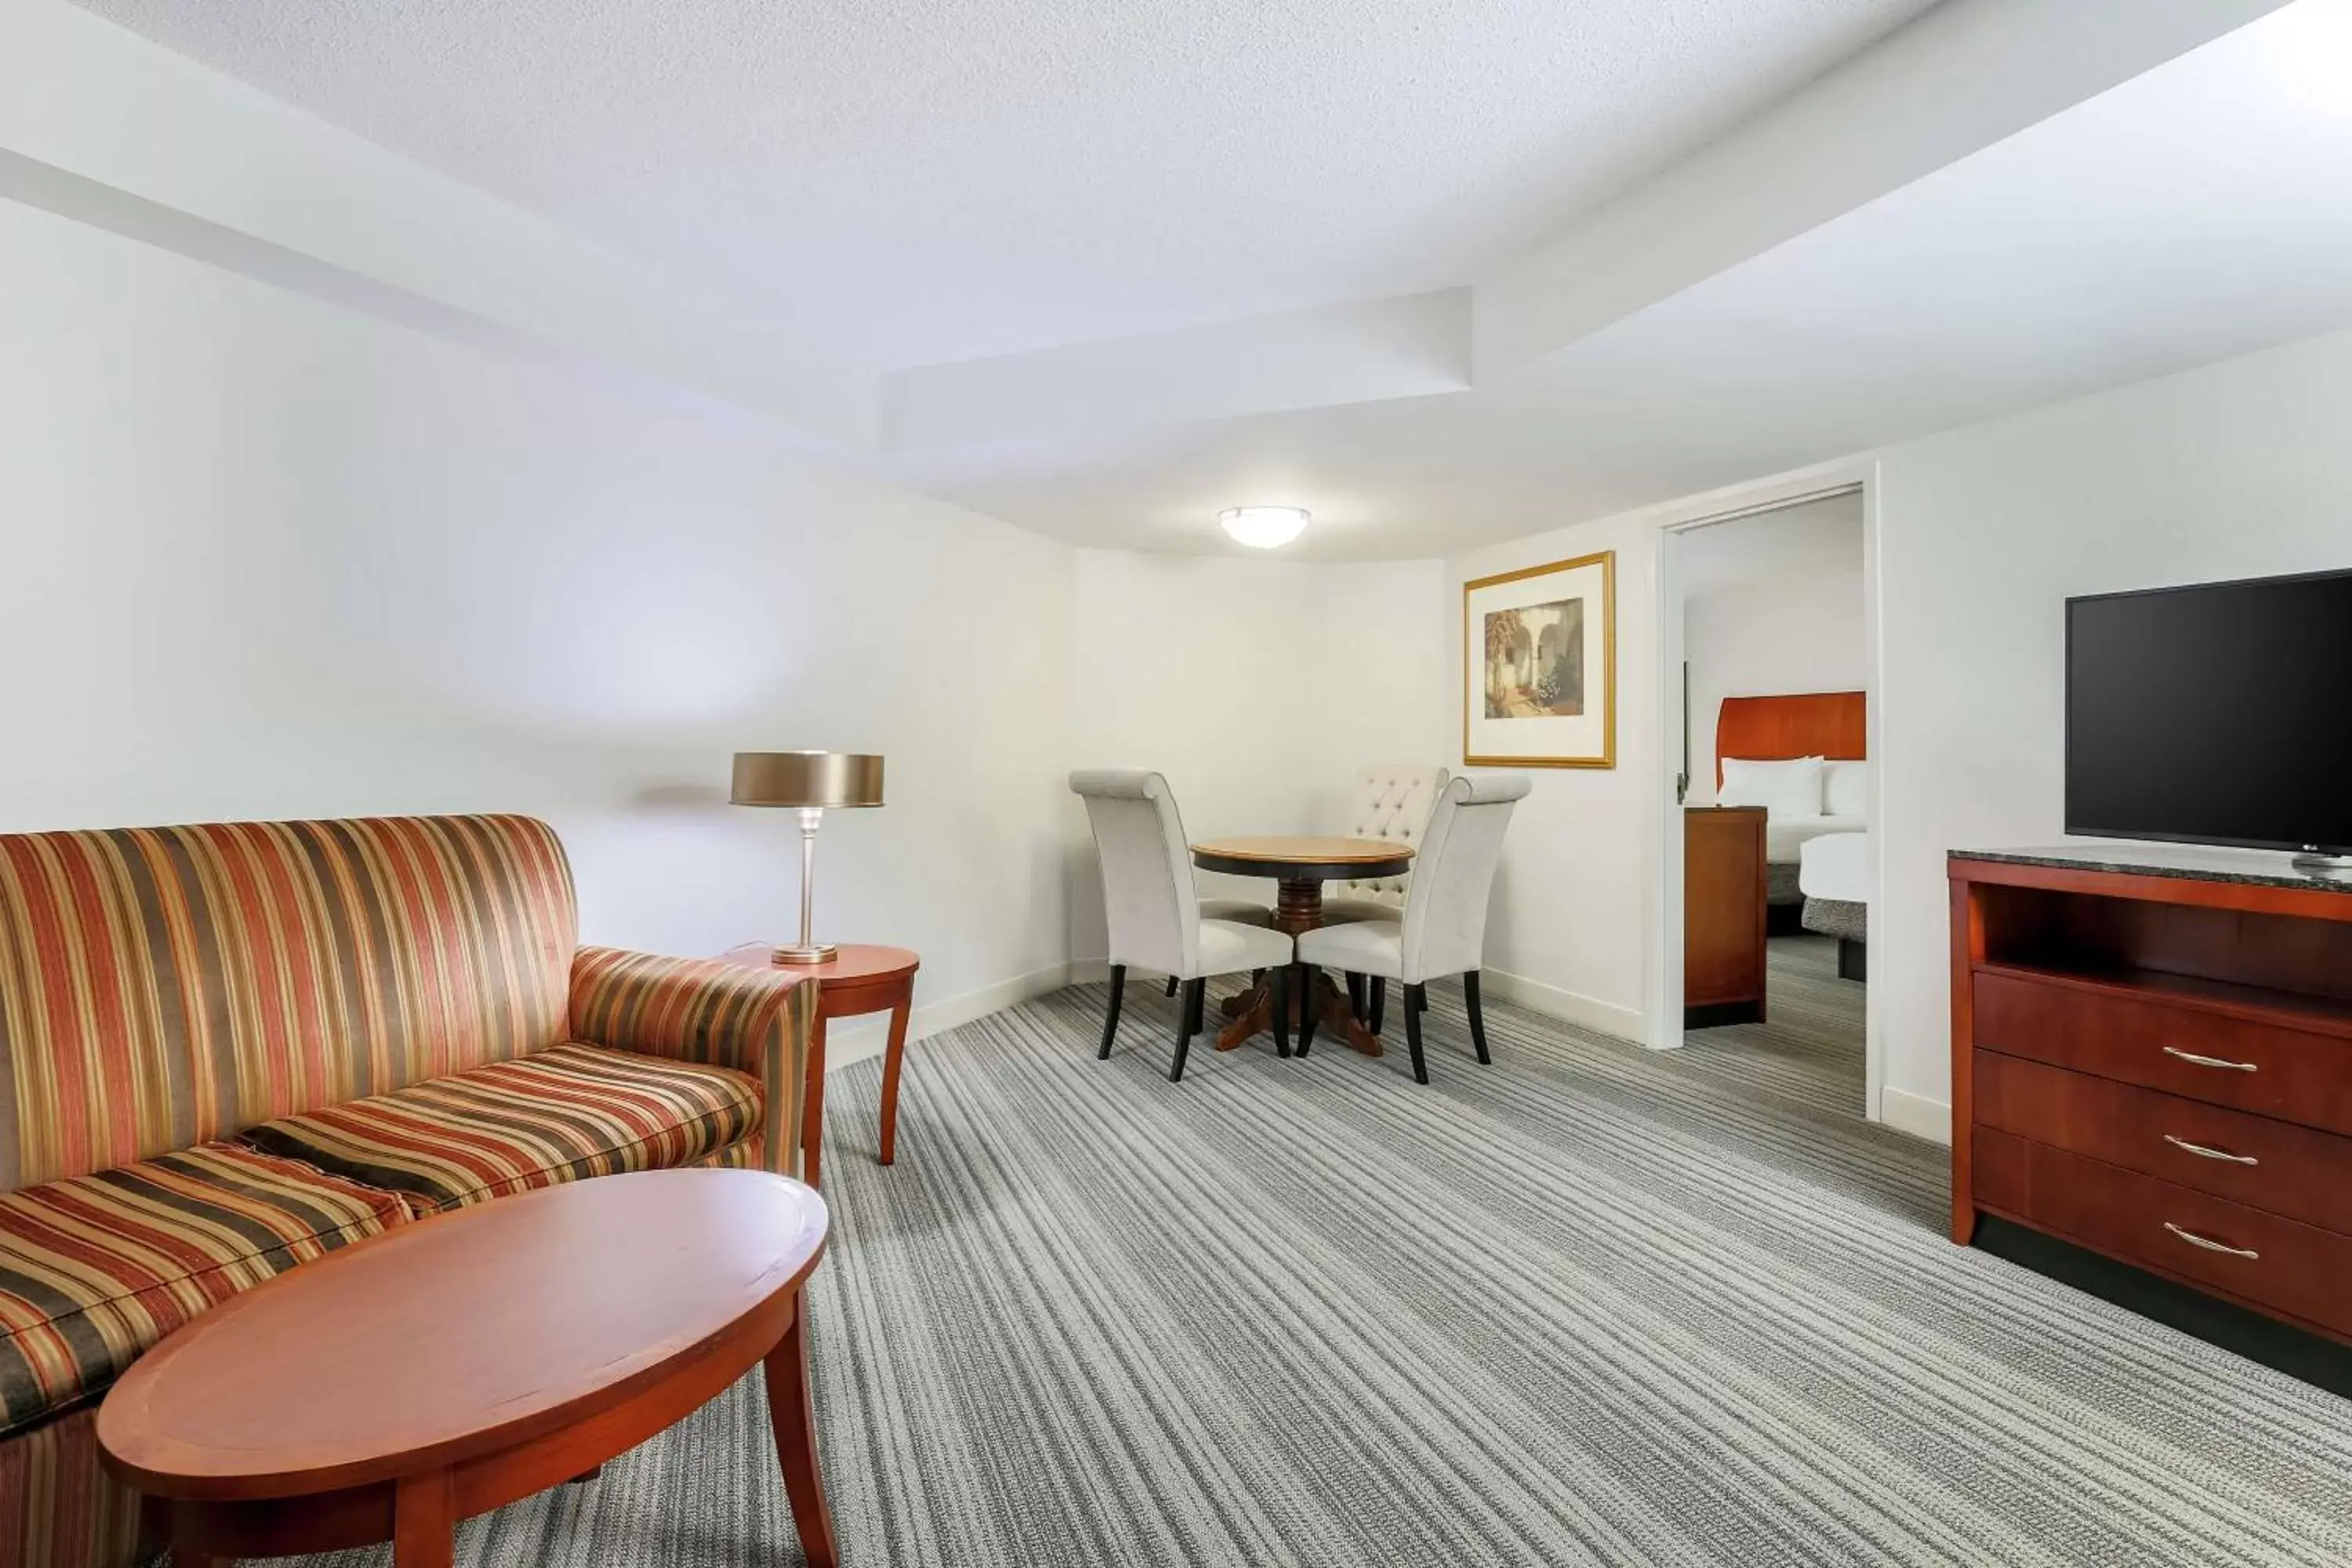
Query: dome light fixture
{"points": [[1263, 527]]}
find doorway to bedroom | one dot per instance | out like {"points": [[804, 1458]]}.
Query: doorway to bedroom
{"points": [[1775, 799]]}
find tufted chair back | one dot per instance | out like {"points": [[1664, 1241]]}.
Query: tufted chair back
{"points": [[1393, 802], [1148, 897]]}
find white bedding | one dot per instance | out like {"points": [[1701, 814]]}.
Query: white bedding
{"points": [[1783, 838], [1835, 866]]}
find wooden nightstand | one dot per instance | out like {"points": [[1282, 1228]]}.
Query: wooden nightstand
{"points": [[859, 979]]}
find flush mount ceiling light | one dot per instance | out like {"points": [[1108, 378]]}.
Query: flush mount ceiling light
{"points": [[1263, 527]]}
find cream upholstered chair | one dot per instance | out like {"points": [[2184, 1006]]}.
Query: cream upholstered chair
{"points": [[1152, 912], [1393, 803], [1443, 929]]}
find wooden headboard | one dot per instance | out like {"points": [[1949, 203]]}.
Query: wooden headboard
{"points": [[1808, 724]]}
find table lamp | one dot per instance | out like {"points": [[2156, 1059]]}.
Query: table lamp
{"points": [[808, 782]]}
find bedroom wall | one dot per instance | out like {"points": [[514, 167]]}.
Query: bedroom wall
{"points": [[2238, 468], [266, 557], [1773, 604], [1259, 686]]}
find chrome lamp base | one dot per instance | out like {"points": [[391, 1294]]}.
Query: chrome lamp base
{"points": [[821, 952]]}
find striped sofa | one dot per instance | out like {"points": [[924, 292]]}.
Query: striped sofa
{"points": [[229, 1048]]}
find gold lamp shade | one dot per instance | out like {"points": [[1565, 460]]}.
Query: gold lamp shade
{"points": [[807, 779]]}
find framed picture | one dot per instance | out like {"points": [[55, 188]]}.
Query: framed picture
{"points": [[1539, 665]]}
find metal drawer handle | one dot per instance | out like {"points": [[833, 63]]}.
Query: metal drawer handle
{"points": [[2211, 1153], [2209, 1244], [2208, 1061]]}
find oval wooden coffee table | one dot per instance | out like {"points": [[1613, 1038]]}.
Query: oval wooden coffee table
{"points": [[445, 1368]]}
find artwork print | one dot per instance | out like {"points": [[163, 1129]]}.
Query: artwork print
{"points": [[1535, 662], [1539, 665]]}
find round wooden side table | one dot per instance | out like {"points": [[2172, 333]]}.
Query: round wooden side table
{"points": [[861, 978]]}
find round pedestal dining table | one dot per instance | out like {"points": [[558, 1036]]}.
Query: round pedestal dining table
{"points": [[1300, 865]]}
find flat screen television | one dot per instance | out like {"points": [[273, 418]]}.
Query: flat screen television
{"points": [[2215, 715]]}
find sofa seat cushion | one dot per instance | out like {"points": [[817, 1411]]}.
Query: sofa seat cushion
{"points": [[94, 1270], [568, 1114]]}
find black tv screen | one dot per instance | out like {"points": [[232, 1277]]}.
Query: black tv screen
{"points": [[2219, 714]]}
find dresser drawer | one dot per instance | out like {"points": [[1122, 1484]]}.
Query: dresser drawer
{"points": [[2271, 1261], [2293, 1170], [2286, 1073]]}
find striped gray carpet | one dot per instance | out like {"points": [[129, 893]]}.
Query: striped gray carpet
{"points": [[1589, 1305], [1810, 1046]]}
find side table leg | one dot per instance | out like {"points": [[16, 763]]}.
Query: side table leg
{"points": [[791, 1412], [891, 1057], [812, 1103], [424, 1522]]}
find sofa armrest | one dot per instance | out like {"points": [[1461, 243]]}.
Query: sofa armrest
{"points": [[756, 1021]]}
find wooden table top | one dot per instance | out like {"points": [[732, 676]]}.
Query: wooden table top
{"points": [[1276, 855], [1288, 848], [854, 962], [457, 1336]]}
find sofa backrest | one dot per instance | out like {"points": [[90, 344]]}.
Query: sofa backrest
{"points": [[160, 987]]}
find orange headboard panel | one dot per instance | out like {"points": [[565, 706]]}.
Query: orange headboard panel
{"points": [[1809, 724]]}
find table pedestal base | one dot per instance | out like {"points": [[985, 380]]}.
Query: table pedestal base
{"points": [[1252, 1014]]}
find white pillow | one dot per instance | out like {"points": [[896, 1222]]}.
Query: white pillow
{"points": [[1845, 788], [1785, 790]]}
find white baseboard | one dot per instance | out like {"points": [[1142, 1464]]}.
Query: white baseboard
{"points": [[849, 1040], [1916, 1114], [1571, 1006]]}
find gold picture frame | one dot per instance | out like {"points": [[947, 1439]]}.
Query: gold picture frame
{"points": [[1529, 649]]}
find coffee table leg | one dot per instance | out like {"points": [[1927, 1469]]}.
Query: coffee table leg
{"points": [[890, 1060], [792, 1412], [424, 1522], [813, 1110]]}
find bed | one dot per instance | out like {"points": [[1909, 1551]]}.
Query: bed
{"points": [[1834, 874], [1830, 724]]}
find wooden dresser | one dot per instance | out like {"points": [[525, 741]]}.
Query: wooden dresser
{"points": [[2152, 1060], [1724, 880]]}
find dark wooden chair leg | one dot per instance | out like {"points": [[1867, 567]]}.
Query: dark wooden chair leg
{"points": [[1110, 1013], [1199, 1003], [1281, 1010], [1304, 983], [1172, 985], [792, 1418], [1186, 1011], [1478, 1017], [1356, 996], [1415, 1000], [1380, 1003]]}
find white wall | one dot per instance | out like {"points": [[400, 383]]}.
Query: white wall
{"points": [[1785, 617], [261, 556], [2240, 469], [1572, 897], [1259, 686]]}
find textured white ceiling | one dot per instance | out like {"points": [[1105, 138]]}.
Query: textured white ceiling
{"points": [[2197, 211], [926, 180]]}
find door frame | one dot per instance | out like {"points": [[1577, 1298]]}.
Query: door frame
{"points": [[1663, 1006]]}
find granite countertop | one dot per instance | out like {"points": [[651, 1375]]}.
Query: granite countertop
{"points": [[2196, 863]]}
